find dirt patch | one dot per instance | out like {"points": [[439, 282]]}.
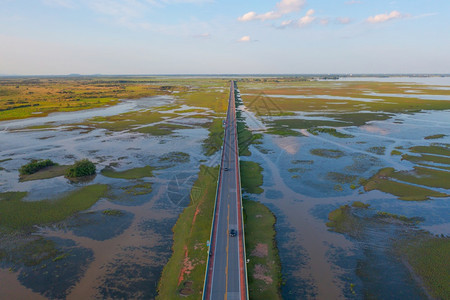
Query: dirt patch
{"points": [[187, 290], [261, 250], [260, 273], [187, 266]]}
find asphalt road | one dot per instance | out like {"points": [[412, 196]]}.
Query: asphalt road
{"points": [[226, 267]]}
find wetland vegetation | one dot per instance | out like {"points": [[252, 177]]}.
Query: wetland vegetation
{"points": [[331, 159]]}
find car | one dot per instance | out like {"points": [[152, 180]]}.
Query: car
{"points": [[233, 232], [226, 169]]}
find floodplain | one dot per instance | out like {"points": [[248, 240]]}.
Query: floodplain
{"points": [[339, 165]]}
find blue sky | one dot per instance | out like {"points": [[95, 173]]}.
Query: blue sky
{"points": [[217, 36]]}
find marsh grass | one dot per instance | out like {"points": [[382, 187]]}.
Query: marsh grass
{"points": [[426, 158], [330, 131], [141, 188], [34, 166], [435, 136], [214, 141], [161, 129], [135, 173], [342, 220], [403, 191], [46, 173], [251, 177], [429, 257], [16, 214], [328, 153]]}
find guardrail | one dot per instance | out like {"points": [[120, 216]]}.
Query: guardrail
{"points": [[238, 163]]}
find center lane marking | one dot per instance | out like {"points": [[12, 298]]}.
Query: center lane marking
{"points": [[228, 241]]}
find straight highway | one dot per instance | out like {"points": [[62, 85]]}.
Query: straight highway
{"points": [[226, 276]]}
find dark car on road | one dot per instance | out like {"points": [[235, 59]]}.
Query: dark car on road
{"points": [[233, 232]]}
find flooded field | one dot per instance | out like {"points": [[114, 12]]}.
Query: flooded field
{"points": [[354, 171], [327, 145], [147, 154]]}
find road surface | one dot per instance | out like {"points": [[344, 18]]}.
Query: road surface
{"points": [[226, 276]]}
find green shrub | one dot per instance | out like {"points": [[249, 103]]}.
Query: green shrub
{"points": [[35, 165], [81, 168]]}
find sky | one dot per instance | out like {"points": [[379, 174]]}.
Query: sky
{"points": [[57, 37]]}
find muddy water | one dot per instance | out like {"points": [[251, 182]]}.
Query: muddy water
{"points": [[321, 264], [107, 256]]}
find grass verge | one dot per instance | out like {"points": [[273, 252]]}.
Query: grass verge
{"points": [[264, 268], [251, 177], [184, 273]]}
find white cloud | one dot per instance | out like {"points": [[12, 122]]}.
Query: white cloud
{"points": [[343, 20], [381, 18], [324, 21], [307, 19], [282, 8], [288, 6], [245, 39], [205, 35]]}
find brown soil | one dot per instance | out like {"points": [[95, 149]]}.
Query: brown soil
{"points": [[260, 273], [187, 290], [261, 250]]}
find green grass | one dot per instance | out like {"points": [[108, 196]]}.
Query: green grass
{"points": [[432, 149], [426, 158], [429, 257], [395, 152], [382, 214], [135, 173], [340, 178], [46, 173], [16, 214], [435, 136], [343, 221], [161, 129], [377, 150], [403, 191], [81, 168], [34, 166], [425, 176], [264, 269], [175, 157], [329, 153], [31, 253], [359, 204], [246, 138], [251, 177], [214, 140], [330, 131], [190, 234], [142, 188], [283, 132], [112, 212]]}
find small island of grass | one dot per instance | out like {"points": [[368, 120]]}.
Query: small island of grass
{"points": [[81, 168], [35, 165]]}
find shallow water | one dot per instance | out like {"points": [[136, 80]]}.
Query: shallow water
{"points": [[318, 263], [108, 256], [437, 80]]}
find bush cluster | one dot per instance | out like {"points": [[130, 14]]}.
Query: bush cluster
{"points": [[35, 165], [81, 168]]}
